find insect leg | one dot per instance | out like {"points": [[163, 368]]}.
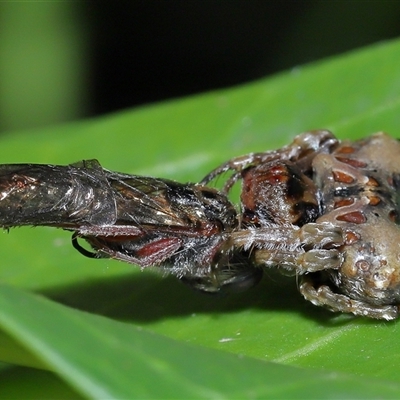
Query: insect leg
{"points": [[152, 253], [82, 250], [106, 230]]}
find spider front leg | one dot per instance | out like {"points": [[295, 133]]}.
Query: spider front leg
{"points": [[239, 262], [324, 296], [313, 247], [304, 146]]}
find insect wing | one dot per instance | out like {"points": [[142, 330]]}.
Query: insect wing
{"points": [[65, 196], [160, 219], [146, 201]]}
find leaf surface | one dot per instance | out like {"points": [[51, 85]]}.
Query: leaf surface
{"points": [[354, 95]]}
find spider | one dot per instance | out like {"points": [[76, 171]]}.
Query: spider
{"points": [[321, 209], [345, 195]]}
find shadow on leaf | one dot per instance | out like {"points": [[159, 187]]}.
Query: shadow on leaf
{"points": [[146, 297]]}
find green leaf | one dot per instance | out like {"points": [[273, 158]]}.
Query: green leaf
{"points": [[29, 383], [106, 359], [354, 95]]}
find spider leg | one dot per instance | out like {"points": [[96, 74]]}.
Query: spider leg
{"points": [[324, 296], [237, 165], [304, 146], [313, 247]]}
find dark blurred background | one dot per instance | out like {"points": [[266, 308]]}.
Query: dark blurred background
{"points": [[61, 61]]}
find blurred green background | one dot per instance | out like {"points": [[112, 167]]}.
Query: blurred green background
{"points": [[62, 61]]}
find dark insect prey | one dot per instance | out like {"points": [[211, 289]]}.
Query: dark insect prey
{"points": [[322, 209]]}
